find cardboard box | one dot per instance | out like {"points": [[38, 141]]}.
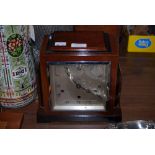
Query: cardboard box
{"points": [[141, 43]]}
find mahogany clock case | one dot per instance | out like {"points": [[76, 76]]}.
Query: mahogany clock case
{"points": [[79, 48]]}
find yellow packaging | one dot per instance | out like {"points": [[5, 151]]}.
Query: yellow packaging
{"points": [[139, 43]]}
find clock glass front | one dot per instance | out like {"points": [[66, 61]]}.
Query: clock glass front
{"points": [[79, 86]]}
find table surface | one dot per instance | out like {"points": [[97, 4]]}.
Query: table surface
{"points": [[11, 120], [3, 124]]}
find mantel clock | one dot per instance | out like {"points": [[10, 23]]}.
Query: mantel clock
{"points": [[79, 77]]}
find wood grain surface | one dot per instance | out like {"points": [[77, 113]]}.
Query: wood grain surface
{"points": [[11, 120]]}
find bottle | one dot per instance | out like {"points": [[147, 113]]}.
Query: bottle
{"points": [[17, 71]]}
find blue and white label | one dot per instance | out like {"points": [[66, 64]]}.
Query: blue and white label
{"points": [[143, 43], [19, 72]]}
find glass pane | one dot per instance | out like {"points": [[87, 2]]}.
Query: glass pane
{"points": [[79, 86]]}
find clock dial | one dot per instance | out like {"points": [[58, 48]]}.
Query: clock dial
{"points": [[79, 86]]}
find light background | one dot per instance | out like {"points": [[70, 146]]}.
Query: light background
{"points": [[77, 142]]}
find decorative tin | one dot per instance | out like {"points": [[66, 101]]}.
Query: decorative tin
{"points": [[17, 74]]}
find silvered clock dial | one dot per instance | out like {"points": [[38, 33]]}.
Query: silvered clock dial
{"points": [[79, 86]]}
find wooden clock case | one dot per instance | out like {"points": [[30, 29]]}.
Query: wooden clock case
{"points": [[100, 47]]}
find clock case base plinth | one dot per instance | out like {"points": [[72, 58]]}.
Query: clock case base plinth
{"points": [[43, 117]]}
